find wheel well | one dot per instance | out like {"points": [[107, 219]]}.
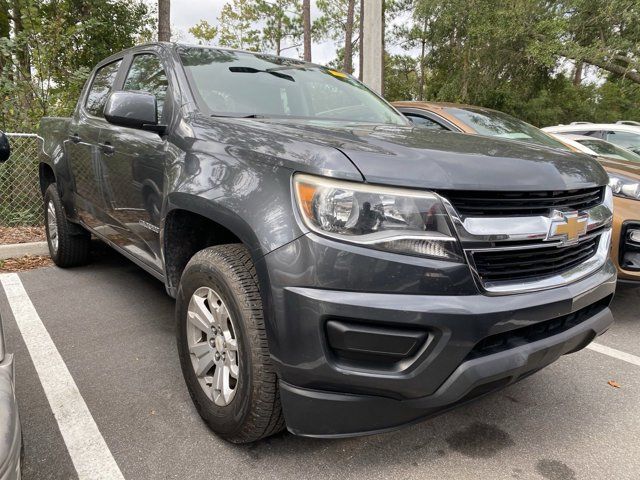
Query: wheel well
{"points": [[185, 234], [47, 177]]}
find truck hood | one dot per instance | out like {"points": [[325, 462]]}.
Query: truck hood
{"points": [[417, 157]]}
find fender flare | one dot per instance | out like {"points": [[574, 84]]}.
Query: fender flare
{"points": [[230, 220]]}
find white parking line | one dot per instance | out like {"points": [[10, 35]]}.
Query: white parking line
{"points": [[88, 450], [612, 352]]}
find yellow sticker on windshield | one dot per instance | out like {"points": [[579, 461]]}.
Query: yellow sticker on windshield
{"points": [[338, 74]]}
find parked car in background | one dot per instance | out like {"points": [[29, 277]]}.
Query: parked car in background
{"points": [[597, 147], [623, 167], [10, 432], [622, 134], [335, 269], [475, 120]]}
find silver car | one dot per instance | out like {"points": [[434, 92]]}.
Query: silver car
{"points": [[10, 433]]}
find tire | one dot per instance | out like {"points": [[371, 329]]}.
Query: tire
{"points": [[253, 411], [69, 244]]}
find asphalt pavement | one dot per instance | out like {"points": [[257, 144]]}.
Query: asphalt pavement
{"points": [[113, 327]]}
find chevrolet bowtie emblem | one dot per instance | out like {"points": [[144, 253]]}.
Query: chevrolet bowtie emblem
{"points": [[567, 226]]}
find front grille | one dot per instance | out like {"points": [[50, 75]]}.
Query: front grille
{"points": [[510, 265], [537, 331], [500, 204]]}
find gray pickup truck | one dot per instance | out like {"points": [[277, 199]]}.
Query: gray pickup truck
{"points": [[336, 271]]}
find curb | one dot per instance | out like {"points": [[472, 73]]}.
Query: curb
{"points": [[15, 250]]}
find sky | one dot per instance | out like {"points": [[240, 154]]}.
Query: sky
{"points": [[186, 13]]}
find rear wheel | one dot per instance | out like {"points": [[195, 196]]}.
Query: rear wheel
{"points": [[223, 347], [69, 244]]}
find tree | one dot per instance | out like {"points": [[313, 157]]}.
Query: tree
{"points": [[524, 57], [361, 40], [164, 20], [36, 80], [306, 27], [602, 33], [413, 35], [281, 23], [348, 37], [238, 28], [204, 32], [336, 23]]}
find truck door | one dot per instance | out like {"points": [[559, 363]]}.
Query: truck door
{"points": [[83, 150], [134, 160]]}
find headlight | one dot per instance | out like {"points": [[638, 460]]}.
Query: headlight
{"points": [[624, 186], [397, 220]]}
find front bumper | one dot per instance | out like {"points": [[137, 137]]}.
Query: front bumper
{"points": [[337, 414], [358, 394], [10, 433], [626, 213]]}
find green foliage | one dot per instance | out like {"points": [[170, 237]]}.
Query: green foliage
{"points": [[282, 22], [204, 32], [524, 57], [238, 25], [334, 24], [254, 25], [401, 77], [52, 46]]}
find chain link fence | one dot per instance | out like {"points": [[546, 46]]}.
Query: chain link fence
{"points": [[20, 197]]}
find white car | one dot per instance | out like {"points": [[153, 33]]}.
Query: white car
{"points": [[596, 147], [10, 432], [625, 134]]}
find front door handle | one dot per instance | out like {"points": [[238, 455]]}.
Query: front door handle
{"points": [[107, 148], [75, 138]]}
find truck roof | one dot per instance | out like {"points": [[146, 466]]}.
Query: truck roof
{"points": [[175, 45]]}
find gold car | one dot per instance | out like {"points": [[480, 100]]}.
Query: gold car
{"points": [[624, 173]]}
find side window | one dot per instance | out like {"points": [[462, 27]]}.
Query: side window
{"points": [[147, 75], [424, 122], [624, 139], [100, 88]]}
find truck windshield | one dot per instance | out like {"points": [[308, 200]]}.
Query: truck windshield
{"points": [[233, 83]]}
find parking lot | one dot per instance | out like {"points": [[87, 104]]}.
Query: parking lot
{"points": [[113, 327]]}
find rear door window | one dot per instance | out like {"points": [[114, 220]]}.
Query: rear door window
{"points": [[101, 87]]}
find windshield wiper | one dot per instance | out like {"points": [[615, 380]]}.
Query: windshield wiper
{"points": [[250, 115], [273, 72]]}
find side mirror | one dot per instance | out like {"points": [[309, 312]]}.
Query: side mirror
{"points": [[5, 148], [133, 109]]}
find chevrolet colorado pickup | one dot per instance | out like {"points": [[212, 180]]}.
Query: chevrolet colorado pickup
{"points": [[336, 271]]}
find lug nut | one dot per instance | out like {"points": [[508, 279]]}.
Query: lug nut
{"points": [[217, 356]]}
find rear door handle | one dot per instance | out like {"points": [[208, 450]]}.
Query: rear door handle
{"points": [[107, 148], [75, 138]]}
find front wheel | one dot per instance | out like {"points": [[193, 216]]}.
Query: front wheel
{"points": [[223, 347], [69, 244]]}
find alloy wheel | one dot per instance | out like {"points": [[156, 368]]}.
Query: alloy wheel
{"points": [[52, 226], [213, 346]]}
